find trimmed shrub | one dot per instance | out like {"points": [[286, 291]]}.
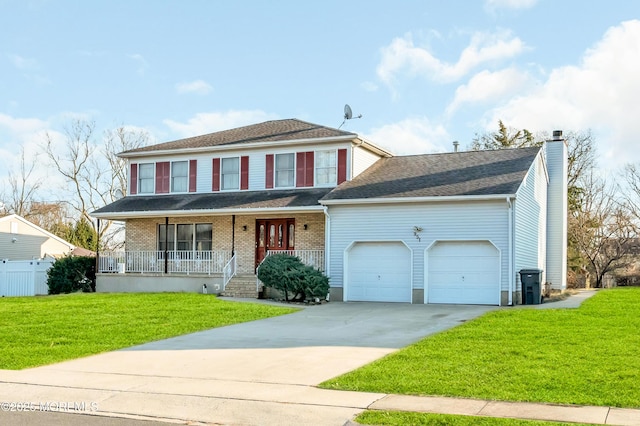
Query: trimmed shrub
{"points": [[292, 277], [71, 274]]}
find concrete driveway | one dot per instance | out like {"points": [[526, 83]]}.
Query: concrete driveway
{"points": [[247, 373]]}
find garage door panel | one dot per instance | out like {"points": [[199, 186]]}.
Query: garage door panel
{"points": [[379, 272], [466, 272]]}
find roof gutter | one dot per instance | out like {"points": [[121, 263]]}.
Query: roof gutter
{"points": [[237, 146], [205, 212], [395, 200]]}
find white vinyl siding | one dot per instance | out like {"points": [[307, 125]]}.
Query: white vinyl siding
{"points": [[362, 160], [530, 221], [472, 220]]}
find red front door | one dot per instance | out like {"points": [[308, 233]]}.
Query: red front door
{"points": [[274, 234]]}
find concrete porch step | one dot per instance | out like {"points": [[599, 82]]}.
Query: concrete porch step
{"points": [[241, 286]]}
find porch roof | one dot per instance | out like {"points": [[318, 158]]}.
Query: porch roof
{"points": [[237, 202]]}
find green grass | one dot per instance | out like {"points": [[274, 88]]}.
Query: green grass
{"points": [[42, 330], [586, 356], [399, 418]]}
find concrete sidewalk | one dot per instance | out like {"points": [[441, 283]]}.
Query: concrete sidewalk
{"points": [[266, 372]]}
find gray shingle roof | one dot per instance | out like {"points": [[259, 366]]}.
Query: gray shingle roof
{"points": [[216, 201], [276, 130], [434, 175]]}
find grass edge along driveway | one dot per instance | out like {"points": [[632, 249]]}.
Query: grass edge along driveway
{"points": [[36, 331], [584, 356]]}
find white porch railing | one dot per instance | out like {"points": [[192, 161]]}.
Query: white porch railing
{"points": [[230, 270], [313, 258], [179, 261]]}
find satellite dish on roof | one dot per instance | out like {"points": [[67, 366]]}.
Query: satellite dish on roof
{"points": [[348, 115], [118, 194]]}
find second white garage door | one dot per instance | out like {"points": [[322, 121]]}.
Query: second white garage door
{"points": [[463, 272], [378, 272]]}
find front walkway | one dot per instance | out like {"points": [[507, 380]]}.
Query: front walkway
{"points": [[265, 372]]}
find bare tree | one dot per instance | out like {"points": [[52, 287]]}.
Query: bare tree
{"points": [[23, 187], [601, 228], [93, 172]]}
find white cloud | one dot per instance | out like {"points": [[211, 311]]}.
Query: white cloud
{"points": [[208, 122], [199, 87], [487, 86], [21, 126], [509, 4], [600, 94], [369, 86], [140, 61], [411, 136], [402, 57], [21, 62]]}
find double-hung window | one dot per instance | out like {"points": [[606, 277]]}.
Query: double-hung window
{"points": [[179, 176], [230, 172], [284, 170], [326, 168], [145, 178]]}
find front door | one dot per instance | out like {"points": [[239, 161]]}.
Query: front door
{"points": [[274, 234]]}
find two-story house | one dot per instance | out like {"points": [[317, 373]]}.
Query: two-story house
{"points": [[433, 228]]}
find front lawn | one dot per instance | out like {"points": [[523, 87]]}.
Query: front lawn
{"points": [[586, 356], [42, 330], [401, 418]]}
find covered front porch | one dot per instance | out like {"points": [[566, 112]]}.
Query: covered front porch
{"points": [[209, 254]]}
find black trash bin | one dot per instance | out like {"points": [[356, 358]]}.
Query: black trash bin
{"points": [[531, 286]]}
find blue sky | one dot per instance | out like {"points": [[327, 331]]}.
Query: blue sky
{"points": [[422, 73]]}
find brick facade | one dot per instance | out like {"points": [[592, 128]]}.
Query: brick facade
{"points": [[141, 234]]}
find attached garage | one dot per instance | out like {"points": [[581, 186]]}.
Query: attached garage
{"points": [[463, 272], [378, 272]]}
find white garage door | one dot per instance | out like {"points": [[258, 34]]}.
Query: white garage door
{"points": [[464, 272], [379, 272]]}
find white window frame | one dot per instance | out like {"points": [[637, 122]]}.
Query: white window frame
{"points": [[172, 177], [152, 178], [292, 170], [316, 168], [222, 174]]}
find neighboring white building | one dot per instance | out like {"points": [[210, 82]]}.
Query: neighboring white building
{"points": [[434, 228], [23, 240]]}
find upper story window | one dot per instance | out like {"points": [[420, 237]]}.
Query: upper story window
{"points": [[145, 178], [284, 170], [326, 168], [230, 171], [179, 176]]}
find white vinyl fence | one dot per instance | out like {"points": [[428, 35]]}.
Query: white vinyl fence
{"points": [[24, 277]]}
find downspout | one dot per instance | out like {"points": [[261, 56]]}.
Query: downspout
{"points": [[327, 238], [98, 250], [511, 256]]}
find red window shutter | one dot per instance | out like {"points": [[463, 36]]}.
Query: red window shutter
{"points": [[193, 173], [342, 165], [162, 177], [244, 172], [301, 168], [215, 184], [133, 184], [309, 172], [269, 175]]}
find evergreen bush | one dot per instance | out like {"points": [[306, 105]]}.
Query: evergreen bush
{"points": [[71, 274], [288, 274]]}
